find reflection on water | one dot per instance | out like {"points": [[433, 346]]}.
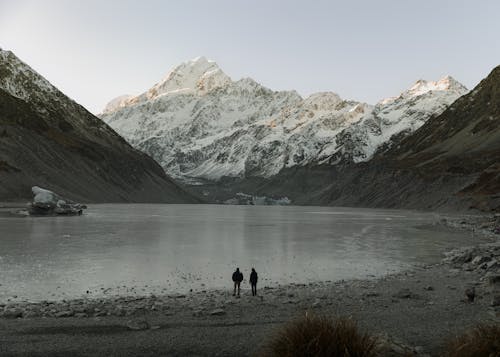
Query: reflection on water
{"points": [[180, 247]]}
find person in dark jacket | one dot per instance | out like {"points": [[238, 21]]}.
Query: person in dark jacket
{"points": [[237, 279], [253, 281]]}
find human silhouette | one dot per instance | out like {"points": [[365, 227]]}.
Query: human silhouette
{"points": [[237, 279], [253, 281]]}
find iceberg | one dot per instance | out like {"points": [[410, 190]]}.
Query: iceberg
{"points": [[48, 203]]}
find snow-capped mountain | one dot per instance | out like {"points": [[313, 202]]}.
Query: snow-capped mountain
{"points": [[199, 124], [394, 118]]}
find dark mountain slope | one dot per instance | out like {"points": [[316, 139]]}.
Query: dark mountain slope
{"points": [[46, 139]]}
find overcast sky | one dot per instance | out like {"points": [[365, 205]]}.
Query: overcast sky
{"points": [[95, 50]]}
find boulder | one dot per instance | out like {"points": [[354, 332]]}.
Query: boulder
{"points": [[217, 312], [48, 203], [12, 313], [480, 260], [460, 256]]}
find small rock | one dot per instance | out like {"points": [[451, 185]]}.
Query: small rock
{"points": [[394, 347], [12, 313], [31, 314], [405, 294], [119, 312], [492, 264], [429, 288], [418, 349], [495, 313], [138, 325], [495, 301], [469, 267], [494, 279], [480, 260], [217, 312], [197, 313], [67, 313], [316, 304], [471, 294]]}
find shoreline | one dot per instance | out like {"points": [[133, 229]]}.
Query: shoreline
{"points": [[414, 310]]}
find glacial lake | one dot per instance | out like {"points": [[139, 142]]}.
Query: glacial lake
{"points": [[141, 248]]}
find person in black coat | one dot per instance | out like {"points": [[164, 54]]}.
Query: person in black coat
{"points": [[237, 279], [253, 281]]}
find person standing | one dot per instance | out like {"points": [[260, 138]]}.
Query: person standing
{"points": [[237, 279], [253, 281]]}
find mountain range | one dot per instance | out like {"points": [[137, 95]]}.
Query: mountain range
{"points": [[452, 162], [202, 126], [226, 139], [49, 140], [433, 146]]}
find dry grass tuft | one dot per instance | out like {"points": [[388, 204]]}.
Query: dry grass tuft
{"points": [[321, 336], [481, 341]]}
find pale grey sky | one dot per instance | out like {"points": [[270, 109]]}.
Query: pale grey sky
{"points": [[95, 50]]}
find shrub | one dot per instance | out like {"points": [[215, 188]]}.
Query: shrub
{"points": [[481, 341], [320, 336]]}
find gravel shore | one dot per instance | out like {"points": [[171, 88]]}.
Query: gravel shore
{"points": [[414, 311]]}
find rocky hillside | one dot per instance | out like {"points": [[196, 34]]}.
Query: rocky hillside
{"points": [[203, 127], [451, 162], [47, 139]]}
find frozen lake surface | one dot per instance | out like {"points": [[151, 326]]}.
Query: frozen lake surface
{"points": [[139, 249]]}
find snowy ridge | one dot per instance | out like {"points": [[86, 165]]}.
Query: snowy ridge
{"points": [[18, 79], [399, 115], [199, 124]]}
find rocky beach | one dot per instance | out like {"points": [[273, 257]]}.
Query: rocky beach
{"points": [[414, 311]]}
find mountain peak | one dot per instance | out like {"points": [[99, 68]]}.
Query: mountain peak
{"points": [[198, 74], [200, 60], [446, 83]]}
